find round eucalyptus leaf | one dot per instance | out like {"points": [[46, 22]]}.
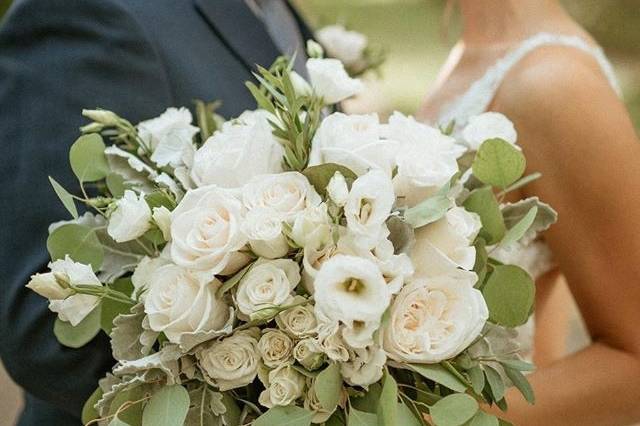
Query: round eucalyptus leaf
{"points": [[290, 415], [327, 386], [498, 163], [483, 419], [79, 242], [81, 334], [87, 158], [509, 293], [454, 410], [483, 202], [89, 411], [168, 407]]}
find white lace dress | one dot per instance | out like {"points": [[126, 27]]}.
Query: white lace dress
{"points": [[533, 256]]}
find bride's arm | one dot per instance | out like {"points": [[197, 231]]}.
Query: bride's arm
{"points": [[575, 131]]}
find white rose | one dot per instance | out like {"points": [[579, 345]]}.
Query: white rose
{"points": [[169, 136], [284, 386], [330, 81], [446, 243], [162, 218], [353, 291], [76, 307], [231, 362], [285, 194], [206, 231], [275, 348], [427, 159], [364, 368], [182, 302], [299, 321], [142, 275], [338, 190], [312, 227], [268, 283], [353, 141], [488, 125], [347, 46], [264, 229], [369, 206], [242, 149], [435, 319], [131, 218], [309, 354]]}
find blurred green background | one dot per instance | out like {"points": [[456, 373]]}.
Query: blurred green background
{"points": [[411, 32]]}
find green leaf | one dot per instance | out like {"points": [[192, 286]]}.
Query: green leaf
{"points": [[319, 176], [290, 415], [440, 375], [361, 418], [454, 410], [160, 198], [115, 184], [498, 163], [89, 412], [517, 364], [496, 384], [522, 182], [480, 265], [110, 310], [87, 158], [117, 422], [327, 386], [81, 334], [65, 198], [129, 414], [477, 379], [428, 211], [401, 234], [521, 382], [79, 242], [388, 406], [406, 416], [483, 202], [509, 293], [483, 419], [368, 402], [232, 414], [519, 229], [545, 216], [168, 407]]}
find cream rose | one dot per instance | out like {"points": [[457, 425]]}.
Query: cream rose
{"points": [[347, 46], [206, 231], [434, 319], [231, 362], [309, 354], [242, 149], [284, 386], [330, 340], [268, 283], [182, 302], [354, 141], [285, 195], [264, 230], [299, 321], [275, 348], [446, 243], [55, 286], [488, 125], [368, 207], [330, 81], [169, 136], [352, 291], [131, 218], [312, 227]]}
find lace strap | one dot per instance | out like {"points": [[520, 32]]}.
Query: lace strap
{"points": [[480, 94]]}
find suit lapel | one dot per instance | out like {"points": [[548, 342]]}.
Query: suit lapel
{"points": [[241, 31]]}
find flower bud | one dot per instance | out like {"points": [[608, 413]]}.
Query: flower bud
{"points": [[338, 190], [101, 116], [314, 50]]}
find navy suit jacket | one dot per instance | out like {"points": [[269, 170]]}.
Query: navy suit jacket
{"points": [[135, 57]]}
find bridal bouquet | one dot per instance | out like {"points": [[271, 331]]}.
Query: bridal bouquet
{"points": [[295, 265]]}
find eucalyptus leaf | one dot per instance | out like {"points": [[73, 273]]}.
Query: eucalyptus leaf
{"points": [[515, 212], [427, 211], [477, 379], [498, 163], [117, 422], [327, 386], [401, 235], [496, 384], [440, 375], [520, 228], [128, 412], [517, 364], [521, 382], [87, 158], [290, 415], [81, 334], [483, 419], [168, 407], [361, 418], [116, 184], [454, 410], [79, 242], [406, 416], [369, 401], [509, 294], [388, 406], [89, 411], [483, 202], [320, 175], [65, 198]]}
